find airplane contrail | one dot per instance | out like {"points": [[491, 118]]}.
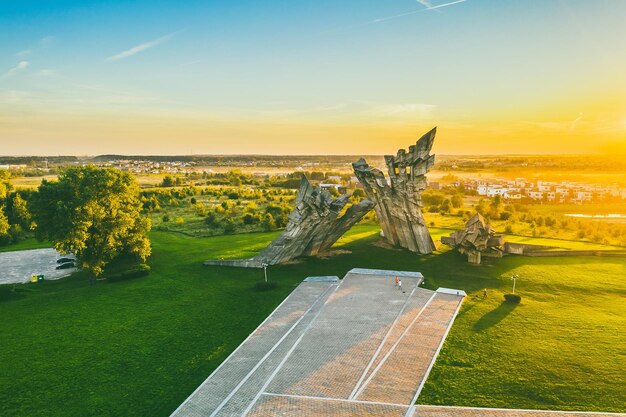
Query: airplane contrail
{"points": [[384, 19]]}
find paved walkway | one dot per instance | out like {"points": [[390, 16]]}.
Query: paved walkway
{"points": [[19, 266], [333, 346]]}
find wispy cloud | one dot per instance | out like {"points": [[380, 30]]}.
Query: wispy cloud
{"points": [[423, 2], [25, 52], [416, 110], [46, 40], [572, 127], [22, 65], [142, 47]]}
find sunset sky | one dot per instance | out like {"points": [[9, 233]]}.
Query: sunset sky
{"points": [[311, 77]]}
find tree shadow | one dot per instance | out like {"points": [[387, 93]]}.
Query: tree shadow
{"points": [[494, 317]]}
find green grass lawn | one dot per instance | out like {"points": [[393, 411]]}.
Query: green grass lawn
{"points": [[140, 347], [26, 244]]}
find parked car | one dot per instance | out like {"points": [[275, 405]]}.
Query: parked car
{"points": [[64, 260], [66, 265]]}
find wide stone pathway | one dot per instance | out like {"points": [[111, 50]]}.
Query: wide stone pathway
{"points": [[360, 346], [333, 346]]}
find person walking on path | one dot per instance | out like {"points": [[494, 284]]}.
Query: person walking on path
{"points": [[400, 283], [485, 293], [396, 281]]}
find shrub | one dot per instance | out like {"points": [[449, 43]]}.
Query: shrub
{"points": [[505, 215], [265, 286], [358, 193], [180, 220], [512, 298], [166, 218], [200, 209], [135, 272], [229, 226]]}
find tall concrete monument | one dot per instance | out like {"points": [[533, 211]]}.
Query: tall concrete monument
{"points": [[314, 226], [398, 204]]}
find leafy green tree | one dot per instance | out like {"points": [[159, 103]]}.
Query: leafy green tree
{"points": [[268, 224], [93, 213], [168, 181], [19, 212], [5, 183], [4, 228], [229, 226], [446, 206], [457, 201]]}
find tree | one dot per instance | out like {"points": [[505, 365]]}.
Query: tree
{"points": [[268, 224], [5, 188], [19, 212], [446, 206], [457, 201], [168, 181], [5, 238], [5, 183], [93, 213]]}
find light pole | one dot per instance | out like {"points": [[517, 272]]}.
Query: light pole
{"points": [[264, 265], [514, 278]]}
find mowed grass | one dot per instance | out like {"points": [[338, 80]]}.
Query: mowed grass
{"points": [[26, 244], [140, 347]]}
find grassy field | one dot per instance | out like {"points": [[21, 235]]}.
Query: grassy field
{"points": [[140, 347]]}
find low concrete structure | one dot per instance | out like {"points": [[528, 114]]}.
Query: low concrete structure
{"points": [[478, 239]]}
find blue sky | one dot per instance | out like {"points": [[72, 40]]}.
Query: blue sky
{"points": [[311, 77]]}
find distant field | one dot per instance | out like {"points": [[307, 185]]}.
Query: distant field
{"points": [[30, 182], [140, 347]]}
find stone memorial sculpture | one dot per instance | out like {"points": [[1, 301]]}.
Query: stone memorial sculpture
{"points": [[314, 226], [398, 203], [478, 239]]}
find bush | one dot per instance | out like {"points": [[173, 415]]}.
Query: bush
{"points": [[229, 226], [512, 298], [265, 286], [358, 193], [137, 271], [505, 215]]}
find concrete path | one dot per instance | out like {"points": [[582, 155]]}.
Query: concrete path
{"points": [[330, 348], [19, 266]]}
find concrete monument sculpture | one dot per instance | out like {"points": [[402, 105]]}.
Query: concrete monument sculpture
{"points": [[478, 239], [314, 226], [398, 203]]}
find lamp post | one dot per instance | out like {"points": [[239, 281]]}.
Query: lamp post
{"points": [[514, 278], [264, 265]]}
